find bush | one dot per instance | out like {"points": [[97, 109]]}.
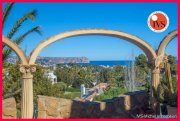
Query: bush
{"points": [[60, 86], [174, 83], [173, 101], [110, 93]]}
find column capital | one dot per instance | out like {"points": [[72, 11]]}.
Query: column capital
{"points": [[156, 63], [156, 71], [165, 58], [27, 70]]}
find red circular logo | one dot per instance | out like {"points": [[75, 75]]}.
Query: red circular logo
{"points": [[158, 21]]}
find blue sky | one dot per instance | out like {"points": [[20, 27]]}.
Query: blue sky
{"points": [[55, 18]]}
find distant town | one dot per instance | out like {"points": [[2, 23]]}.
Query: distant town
{"points": [[53, 60]]}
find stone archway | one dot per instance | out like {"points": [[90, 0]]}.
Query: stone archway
{"points": [[27, 88], [162, 46], [16, 49], [148, 50], [165, 42], [27, 65], [161, 55]]}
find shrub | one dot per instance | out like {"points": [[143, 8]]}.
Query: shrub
{"points": [[110, 93], [60, 86]]}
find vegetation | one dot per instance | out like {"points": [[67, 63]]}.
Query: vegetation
{"points": [[110, 93], [142, 70], [165, 96], [11, 80], [172, 62], [74, 75], [141, 62], [71, 76], [169, 82], [12, 83]]}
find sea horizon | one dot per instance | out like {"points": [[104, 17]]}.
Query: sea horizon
{"points": [[109, 62]]}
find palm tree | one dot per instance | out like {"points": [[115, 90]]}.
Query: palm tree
{"points": [[31, 15]]}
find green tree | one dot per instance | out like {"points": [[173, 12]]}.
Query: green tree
{"points": [[85, 76], [11, 81], [66, 75], [42, 86], [31, 15], [60, 86], [119, 75], [141, 69], [173, 64], [107, 76], [75, 75], [141, 62], [168, 93]]}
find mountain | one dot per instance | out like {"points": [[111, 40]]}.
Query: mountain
{"points": [[53, 60], [58, 60]]}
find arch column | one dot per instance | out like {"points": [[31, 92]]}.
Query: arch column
{"points": [[155, 72], [155, 66], [155, 90], [27, 91]]}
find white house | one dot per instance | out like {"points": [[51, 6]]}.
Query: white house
{"points": [[52, 77]]}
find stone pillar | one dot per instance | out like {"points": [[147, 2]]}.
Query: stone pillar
{"points": [[27, 91], [155, 83], [156, 90], [155, 79]]}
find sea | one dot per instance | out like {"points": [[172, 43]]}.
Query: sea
{"points": [[110, 63], [113, 63]]}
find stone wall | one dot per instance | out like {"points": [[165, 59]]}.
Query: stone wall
{"points": [[9, 108], [124, 106]]}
